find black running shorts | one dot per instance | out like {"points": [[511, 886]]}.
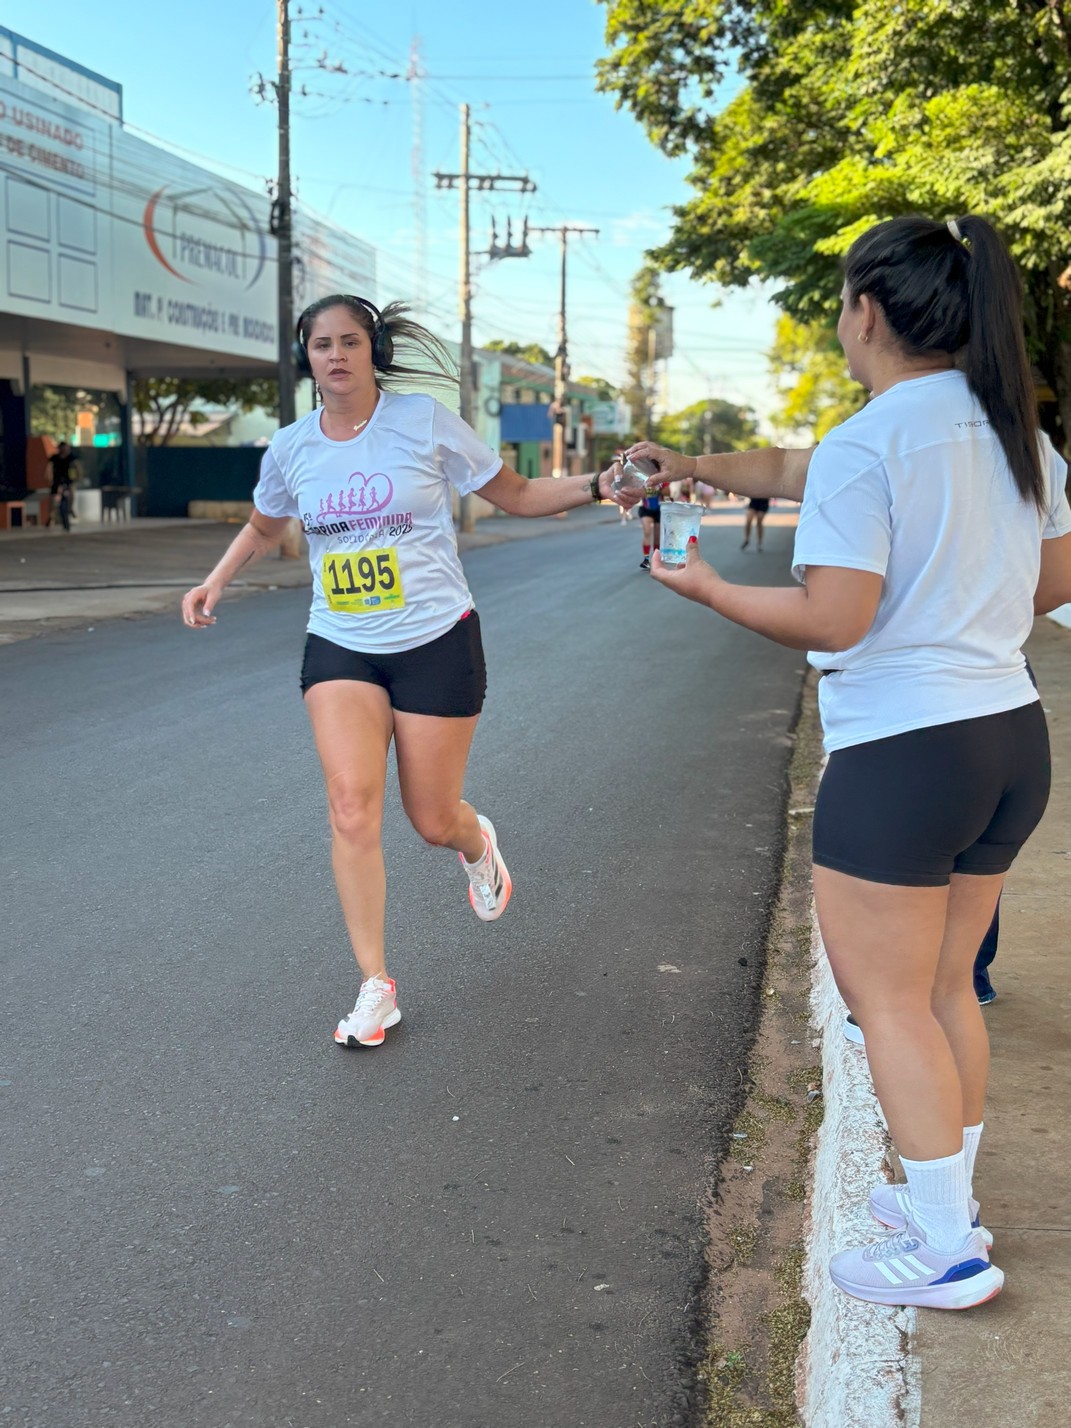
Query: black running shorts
{"points": [[952, 798], [446, 677]]}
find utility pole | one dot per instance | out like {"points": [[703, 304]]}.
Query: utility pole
{"points": [[282, 226], [561, 357], [465, 180]]}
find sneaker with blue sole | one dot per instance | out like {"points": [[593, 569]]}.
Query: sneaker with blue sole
{"points": [[903, 1270], [891, 1206]]}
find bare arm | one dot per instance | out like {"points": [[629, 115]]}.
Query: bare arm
{"points": [[767, 471], [543, 495], [833, 611], [1054, 582], [259, 537]]}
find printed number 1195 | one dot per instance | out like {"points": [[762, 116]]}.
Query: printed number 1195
{"points": [[365, 584]]}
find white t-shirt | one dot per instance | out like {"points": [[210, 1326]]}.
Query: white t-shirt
{"points": [[916, 488], [377, 513]]}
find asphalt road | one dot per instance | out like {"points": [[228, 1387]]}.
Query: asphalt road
{"points": [[215, 1218]]}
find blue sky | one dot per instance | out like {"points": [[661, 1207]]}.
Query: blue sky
{"points": [[527, 73]]}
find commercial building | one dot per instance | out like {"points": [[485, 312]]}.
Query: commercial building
{"points": [[120, 261]]}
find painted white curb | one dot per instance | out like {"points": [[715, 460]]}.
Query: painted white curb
{"points": [[857, 1368], [1062, 615]]}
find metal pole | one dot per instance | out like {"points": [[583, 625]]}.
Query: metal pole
{"points": [[287, 411], [468, 514]]}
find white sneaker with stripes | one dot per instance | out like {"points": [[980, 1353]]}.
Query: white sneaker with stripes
{"points": [[375, 1010], [490, 884], [891, 1206], [903, 1269]]}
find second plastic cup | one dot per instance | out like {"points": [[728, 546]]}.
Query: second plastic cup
{"points": [[680, 522]]}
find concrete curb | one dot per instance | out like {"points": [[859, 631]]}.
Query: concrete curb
{"points": [[857, 1368]]}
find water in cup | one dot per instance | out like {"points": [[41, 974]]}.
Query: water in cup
{"points": [[680, 522]]}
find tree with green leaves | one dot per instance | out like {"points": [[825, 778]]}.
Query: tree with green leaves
{"points": [[849, 114], [709, 426], [638, 391], [816, 392], [165, 403], [527, 351]]}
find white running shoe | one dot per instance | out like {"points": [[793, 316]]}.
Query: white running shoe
{"points": [[891, 1206], [903, 1269], [375, 1010], [853, 1032], [490, 884]]}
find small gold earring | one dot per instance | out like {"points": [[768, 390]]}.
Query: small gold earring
{"points": [[864, 337]]}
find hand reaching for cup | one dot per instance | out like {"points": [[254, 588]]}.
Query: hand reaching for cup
{"points": [[668, 465]]}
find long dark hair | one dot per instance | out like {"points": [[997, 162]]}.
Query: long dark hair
{"points": [[437, 365], [963, 295]]}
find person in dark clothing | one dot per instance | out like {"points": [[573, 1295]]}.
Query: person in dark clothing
{"points": [[63, 463]]}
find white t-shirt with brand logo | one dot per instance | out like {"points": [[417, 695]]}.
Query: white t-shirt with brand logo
{"points": [[377, 512], [916, 488]]}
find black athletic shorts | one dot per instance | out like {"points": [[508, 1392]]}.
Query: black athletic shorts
{"points": [[759, 503], [446, 677], [952, 798], [652, 513]]}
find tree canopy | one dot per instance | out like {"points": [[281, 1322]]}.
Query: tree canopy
{"points": [[526, 351], [164, 403], [849, 114], [711, 425], [816, 392]]}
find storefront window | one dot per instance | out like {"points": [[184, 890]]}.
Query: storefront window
{"points": [[89, 421], [84, 418]]}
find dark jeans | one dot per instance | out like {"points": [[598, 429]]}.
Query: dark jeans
{"points": [[986, 953]]}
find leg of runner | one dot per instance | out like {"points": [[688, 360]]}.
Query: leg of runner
{"points": [[760, 516], [432, 754], [647, 527], [353, 722], [748, 517]]}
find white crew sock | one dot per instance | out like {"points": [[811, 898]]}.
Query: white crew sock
{"points": [[938, 1190], [971, 1136]]}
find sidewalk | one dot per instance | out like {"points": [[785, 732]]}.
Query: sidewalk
{"points": [[52, 580], [1006, 1364]]}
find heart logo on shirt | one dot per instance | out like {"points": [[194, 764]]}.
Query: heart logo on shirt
{"points": [[365, 497]]}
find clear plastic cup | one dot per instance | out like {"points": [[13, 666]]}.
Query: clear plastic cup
{"points": [[680, 522]]}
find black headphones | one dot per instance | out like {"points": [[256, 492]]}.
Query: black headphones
{"points": [[382, 342]]}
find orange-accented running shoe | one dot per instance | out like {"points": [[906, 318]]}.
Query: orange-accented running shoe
{"points": [[375, 1010], [490, 884]]}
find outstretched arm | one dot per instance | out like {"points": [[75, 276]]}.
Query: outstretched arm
{"points": [[259, 537], [767, 471], [546, 495]]}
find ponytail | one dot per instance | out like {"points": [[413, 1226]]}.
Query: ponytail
{"points": [[437, 365], [953, 288], [994, 360]]}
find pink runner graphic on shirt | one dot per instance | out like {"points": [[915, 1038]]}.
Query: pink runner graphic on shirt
{"points": [[375, 493]]}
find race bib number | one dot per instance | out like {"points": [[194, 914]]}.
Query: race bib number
{"points": [[365, 584]]}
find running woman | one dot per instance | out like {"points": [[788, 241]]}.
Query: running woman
{"points": [[757, 507], [934, 526], [393, 649], [651, 521]]}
